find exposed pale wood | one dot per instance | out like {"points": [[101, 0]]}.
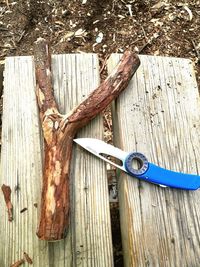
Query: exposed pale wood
{"points": [[158, 115], [88, 242]]}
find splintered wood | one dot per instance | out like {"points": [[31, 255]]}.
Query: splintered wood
{"points": [[7, 197], [22, 261], [18, 263], [27, 258]]}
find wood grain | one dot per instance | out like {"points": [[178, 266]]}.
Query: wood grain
{"points": [[158, 115], [89, 239]]}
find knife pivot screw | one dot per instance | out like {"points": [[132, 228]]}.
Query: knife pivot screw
{"points": [[136, 164]]}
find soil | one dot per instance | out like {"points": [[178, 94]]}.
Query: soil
{"points": [[168, 28]]}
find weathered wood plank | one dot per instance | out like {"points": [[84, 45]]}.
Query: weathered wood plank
{"points": [[77, 75], [21, 165], [89, 240], [158, 115]]}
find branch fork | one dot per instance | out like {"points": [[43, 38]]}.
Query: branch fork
{"points": [[59, 131]]}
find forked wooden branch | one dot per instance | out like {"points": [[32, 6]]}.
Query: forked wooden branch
{"points": [[59, 131]]}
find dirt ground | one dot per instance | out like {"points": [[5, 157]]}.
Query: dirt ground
{"points": [[168, 28]]}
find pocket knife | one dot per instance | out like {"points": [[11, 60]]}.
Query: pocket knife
{"points": [[145, 170]]}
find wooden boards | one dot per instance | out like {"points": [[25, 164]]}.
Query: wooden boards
{"points": [[158, 115], [89, 239]]}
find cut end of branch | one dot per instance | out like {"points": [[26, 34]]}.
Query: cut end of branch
{"points": [[41, 53], [44, 90]]}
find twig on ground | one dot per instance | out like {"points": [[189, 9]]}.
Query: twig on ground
{"points": [[7, 3], [3, 29], [197, 50], [150, 41], [144, 33], [104, 63], [21, 36]]}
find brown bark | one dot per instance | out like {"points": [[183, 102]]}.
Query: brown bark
{"points": [[18, 263], [27, 258], [59, 131], [7, 197]]}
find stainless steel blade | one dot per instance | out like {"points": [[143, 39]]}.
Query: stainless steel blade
{"points": [[98, 147]]}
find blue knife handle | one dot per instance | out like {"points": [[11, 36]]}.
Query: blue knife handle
{"points": [[150, 172]]}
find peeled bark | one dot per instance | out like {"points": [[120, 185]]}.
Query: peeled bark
{"points": [[59, 131], [7, 197]]}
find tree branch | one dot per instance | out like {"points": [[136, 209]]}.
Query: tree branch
{"points": [[59, 131]]}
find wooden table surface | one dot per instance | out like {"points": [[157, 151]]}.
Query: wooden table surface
{"points": [[158, 115]]}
